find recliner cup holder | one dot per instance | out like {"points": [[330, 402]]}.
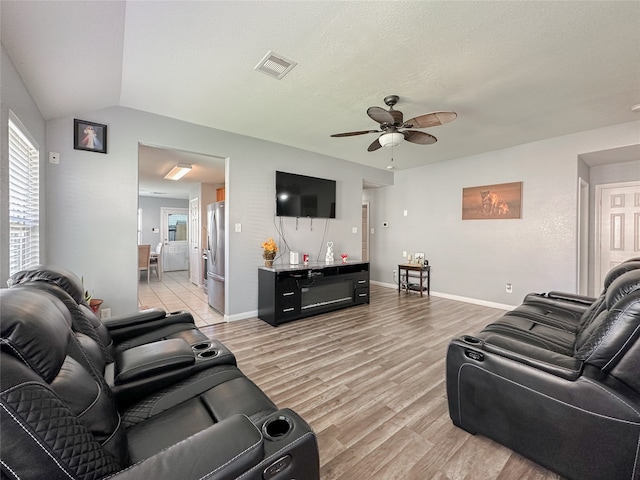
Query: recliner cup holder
{"points": [[201, 346], [471, 340], [277, 428], [209, 353]]}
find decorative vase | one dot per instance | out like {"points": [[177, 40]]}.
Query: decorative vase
{"points": [[268, 258], [95, 304], [329, 256]]}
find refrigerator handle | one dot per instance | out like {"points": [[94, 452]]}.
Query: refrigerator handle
{"points": [[214, 237]]}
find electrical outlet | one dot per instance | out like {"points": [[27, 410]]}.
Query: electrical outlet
{"points": [[238, 227], [509, 288], [105, 313], [404, 254]]}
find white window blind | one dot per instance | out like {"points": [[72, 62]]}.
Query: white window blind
{"points": [[24, 201]]}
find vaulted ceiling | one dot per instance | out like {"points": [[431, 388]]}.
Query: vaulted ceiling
{"points": [[514, 71]]}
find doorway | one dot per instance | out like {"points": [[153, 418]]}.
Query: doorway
{"points": [[175, 249], [617, 225]]}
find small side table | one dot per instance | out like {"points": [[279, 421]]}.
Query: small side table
{"points": [[423, 270]]}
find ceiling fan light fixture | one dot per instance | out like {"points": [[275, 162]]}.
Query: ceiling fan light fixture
{"points": [[391, 139], [179, 171]]}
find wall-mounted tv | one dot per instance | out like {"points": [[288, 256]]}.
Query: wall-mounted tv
{"points": [[302, 196]]}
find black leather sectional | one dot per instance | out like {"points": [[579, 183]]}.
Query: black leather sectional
{"points": [[141, 396], [558, 380]]}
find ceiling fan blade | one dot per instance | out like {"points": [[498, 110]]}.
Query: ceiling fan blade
{"points": [[351, 134], [431, 119], [420, 138], [380, 115], [374, 146]]}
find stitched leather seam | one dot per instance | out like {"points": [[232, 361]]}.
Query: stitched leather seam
{"points": [[575, 407], [502, 349], [19, 354], [15, 475], [588, 380], [246, 450], [19, 423]]}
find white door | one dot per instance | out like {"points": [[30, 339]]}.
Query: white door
{"points": [[175, 253], [195, 257], [618, 226]]}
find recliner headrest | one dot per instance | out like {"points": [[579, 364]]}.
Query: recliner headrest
{"points": [[34, 328], [65, 279], [615, 272], [625, 284]]}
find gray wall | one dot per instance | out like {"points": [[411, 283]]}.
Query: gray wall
{"points": [[14, 96], [474, 259], [151, 218], [94, 198]]}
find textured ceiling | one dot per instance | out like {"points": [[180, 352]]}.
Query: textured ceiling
{"points": [[515, 71]]}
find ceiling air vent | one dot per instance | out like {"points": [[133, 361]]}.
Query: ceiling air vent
{"points": [[275, 65]]}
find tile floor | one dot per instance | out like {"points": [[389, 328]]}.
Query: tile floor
{"points": [[176, 292]]}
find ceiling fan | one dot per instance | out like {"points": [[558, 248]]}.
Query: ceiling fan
{"points": [[391, 122]]}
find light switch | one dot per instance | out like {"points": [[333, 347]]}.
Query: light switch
{"points": [[354, 230], [406, 213]]}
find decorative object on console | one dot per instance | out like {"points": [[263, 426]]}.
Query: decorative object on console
{"points": [[418, 258], [305, 258], [329, 256], [344, 257], [89, 136], [492, 201], [294, 258], [270, 248]]}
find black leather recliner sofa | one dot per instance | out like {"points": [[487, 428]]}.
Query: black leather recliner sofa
{"points": [[558, 380], [60, 418]]}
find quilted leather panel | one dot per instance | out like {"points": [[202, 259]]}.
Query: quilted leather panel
{"points": [[39, 410]]}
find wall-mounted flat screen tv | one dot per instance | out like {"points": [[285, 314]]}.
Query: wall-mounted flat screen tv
{"points": [[302, 196]]}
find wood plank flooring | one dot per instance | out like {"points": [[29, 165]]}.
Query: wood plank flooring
{"points": [[370, 382]]}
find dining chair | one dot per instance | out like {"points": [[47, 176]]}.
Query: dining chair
{"points": [[155, 261], [144, 255]]}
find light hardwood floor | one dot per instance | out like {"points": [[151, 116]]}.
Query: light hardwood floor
{"points": [[370, 382]]}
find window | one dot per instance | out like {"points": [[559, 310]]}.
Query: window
{"points": [[24, 200]]}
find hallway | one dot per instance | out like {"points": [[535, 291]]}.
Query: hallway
{"points": [[176, 292]]}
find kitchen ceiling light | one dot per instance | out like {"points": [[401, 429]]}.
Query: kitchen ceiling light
{"points": [[179, 171], [391, 139]]}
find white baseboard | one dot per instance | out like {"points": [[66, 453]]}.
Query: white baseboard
{"points": [[458, 298], [240, 316]]}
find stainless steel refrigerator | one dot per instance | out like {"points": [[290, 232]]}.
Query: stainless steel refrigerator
{"points": [[215, 255]]}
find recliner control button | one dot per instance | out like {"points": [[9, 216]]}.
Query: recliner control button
{"points": [[276, 467], [474, 355]]}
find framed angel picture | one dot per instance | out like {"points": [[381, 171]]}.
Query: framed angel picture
{"points": [[89, 136]]}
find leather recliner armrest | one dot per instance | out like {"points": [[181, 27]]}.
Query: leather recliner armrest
{"points": [[127, 326], [151, 359], [220, 452], [554, 363], [571, 297]]}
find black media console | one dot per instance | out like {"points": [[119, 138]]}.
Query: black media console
{"points": [[298, 291]]}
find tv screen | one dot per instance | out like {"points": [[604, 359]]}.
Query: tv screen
{"points": [[302, 196]]}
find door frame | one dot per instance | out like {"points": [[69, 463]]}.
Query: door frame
{"points": [[582, 274], [164, 229], [598, 223]]}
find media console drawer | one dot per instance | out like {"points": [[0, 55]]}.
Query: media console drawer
{"points": [[289, 293]]}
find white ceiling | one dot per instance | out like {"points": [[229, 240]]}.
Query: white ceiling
{"points": [[514, 71]]}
